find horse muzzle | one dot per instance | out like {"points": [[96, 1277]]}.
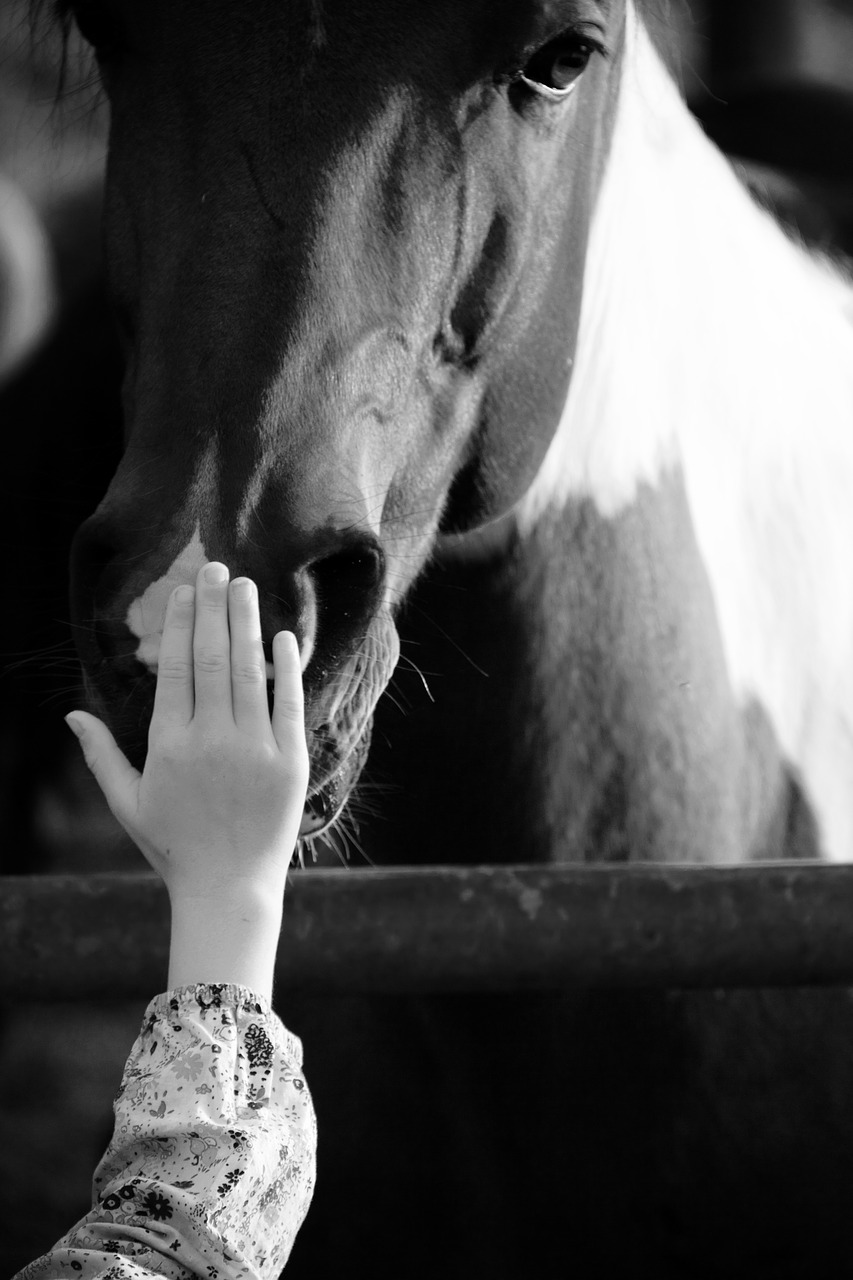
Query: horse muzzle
{"points": [[340, 698]]}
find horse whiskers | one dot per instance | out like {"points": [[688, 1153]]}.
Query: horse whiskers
{"points": [[419, 672], [341, 837], [87, 625], [68, 662], [423, 613], [75, 694], [47, 648], [359, 847], [406, 667], [46, 676], [102, 619], [47, 689], [329, 839], [346, 827], [397, 702], [366, 808]]}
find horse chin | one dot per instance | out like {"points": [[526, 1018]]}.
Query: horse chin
{"points": [[340, 746], [325, 805]]}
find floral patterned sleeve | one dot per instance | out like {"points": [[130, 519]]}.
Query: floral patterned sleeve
{"points": [[210, 1169]]}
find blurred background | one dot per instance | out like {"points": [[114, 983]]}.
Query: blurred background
{"points": [[772, 83]]}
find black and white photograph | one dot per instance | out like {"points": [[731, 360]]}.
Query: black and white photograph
{"points": [[426, 669]]}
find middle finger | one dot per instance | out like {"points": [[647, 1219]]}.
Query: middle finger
{"points": [[211, 646], [248, 664]]}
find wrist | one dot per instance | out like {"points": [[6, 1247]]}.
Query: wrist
{"points": [[225, 936], [253, 895]]}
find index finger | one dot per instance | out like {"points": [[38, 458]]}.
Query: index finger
{"points": [[174, 698]]}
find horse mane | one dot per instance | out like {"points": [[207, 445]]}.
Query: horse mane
{"points": [[665, 21]]}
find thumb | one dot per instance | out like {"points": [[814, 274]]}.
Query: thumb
{"points": [[112, 770]]}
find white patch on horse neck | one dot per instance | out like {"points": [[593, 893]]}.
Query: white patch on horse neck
{"points": [[146, 614], [710, 342]]}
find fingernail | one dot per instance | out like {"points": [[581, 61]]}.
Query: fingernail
{"points": [[184, 594], [215, 574], [74, 725], [242, 587]]}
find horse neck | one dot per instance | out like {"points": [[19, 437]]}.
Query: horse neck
{"points": [[699, 313], [715, 352]]}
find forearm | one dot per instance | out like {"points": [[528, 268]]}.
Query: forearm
{"points": [[227, 936]]}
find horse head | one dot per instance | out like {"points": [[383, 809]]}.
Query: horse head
{"points": [[346, 245]]}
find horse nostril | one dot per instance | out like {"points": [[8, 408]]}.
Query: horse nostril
{"points": [[357, 570], [348, 585]]}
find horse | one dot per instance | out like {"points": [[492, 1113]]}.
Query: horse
{"points": [[448, 325]]}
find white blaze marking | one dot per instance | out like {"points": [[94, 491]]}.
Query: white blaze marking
{"points": [[146, 613]]}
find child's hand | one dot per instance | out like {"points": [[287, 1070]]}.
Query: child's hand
{"points": [[222, 791], [217, 807]]}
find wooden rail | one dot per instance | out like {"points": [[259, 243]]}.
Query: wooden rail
{"points": [[449, 929]]}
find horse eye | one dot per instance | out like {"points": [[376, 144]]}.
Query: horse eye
{"points": [[554, 69]]}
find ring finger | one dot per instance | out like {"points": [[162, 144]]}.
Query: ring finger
{"points": [[248, 664], [173, 698]]}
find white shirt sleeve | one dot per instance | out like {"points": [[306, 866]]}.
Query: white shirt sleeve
{"points": [[210, 1169]]}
